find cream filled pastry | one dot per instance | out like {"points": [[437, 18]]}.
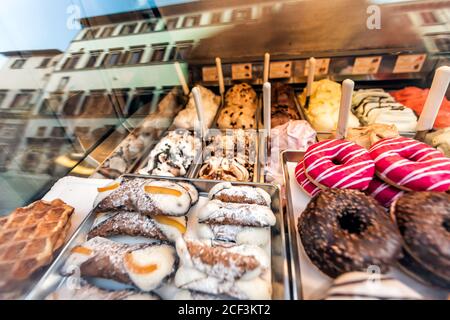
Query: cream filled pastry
{"points": [[368, 136], [377, 106], [240, 107], [226, 192], [188, 118], [323, 109], [173, 155], [440, 140]]}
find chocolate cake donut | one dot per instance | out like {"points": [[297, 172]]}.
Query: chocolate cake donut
{"points": [[345, 230], [423, 219]]}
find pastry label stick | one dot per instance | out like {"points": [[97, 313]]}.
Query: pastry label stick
{"points": [[220, 76], [266, 67], [200, 111], [437, 92], [311, 73], [181, 78], [344, 109], [267, 111]]}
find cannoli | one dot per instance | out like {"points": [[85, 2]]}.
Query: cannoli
{"points": [[144, 265], [234, 234], [226, 192], [195, 295], [251, 215], [228, 169], [126, 223], [149, 197], [86, 291]]}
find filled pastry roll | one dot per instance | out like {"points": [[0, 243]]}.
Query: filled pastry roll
{"points": [[146, 196], [241, 214], [144, 265], [234, 234], [226, 192]]}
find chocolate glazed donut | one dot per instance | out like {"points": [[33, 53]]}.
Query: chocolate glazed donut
{"points": [[345, 230], [423, 219]]}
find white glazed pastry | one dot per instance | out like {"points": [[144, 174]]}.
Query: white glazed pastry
{"points": [[173, 155], [226, 192], [234, 234], [378, 106], [188, 118], [364, 286]]}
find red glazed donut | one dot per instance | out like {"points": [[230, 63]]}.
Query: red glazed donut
{"points": [[411, 165], [384, 193], [309, 187], [339, 164]]}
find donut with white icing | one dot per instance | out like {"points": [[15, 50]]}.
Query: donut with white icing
{"points": [[411, 165], [339, 164], [384, 193], [307, 186]]}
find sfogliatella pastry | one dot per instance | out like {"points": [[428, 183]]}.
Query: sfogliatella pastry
{"points": [[29, 237], [377, 106], [440, 140], [423, 219], [283, 107], [173, 155], [239, 111], [188, 118], [146, 196], [240, 272], [144, 265], [368, 136], [365, 286], [226, 192], [86, 291], [345, 230]]}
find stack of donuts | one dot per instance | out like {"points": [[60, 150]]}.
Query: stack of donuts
{"points": [[345, 228], [390, 167]]}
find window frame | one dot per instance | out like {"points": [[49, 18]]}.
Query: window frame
{"points": [[145, 24], [112, 28], [196, 19], [160, 47], [20, 61], [125, 26]]}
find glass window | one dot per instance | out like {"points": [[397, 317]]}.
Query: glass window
{"points": [[159, 52], [171, 23], [58, 132], [97, 104], [63, 83], [21, 101], [148, 26], [71, 62], [216, 18], [241, 14], [429, 18], [92, 60], [72, 102], [180, 51], [191, 21], [9, 131], [128, 29], [141, 103], [40, 132], [135, 57], [51, 104], [18, 64], [107, 32], [111, 59], [90, 34], [45, 62]]}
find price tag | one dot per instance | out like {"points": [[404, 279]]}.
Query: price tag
{"points": [[280, 69], [209, 74], [409, 63], [241, 71], [322, 66], [367, 65]]}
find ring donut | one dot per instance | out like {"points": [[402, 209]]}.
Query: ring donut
{"points": [[339, 164], [309, 187], [411, 165], [384, 193]]}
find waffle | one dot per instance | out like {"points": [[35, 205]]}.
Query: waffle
{"points": [[28, 238]]}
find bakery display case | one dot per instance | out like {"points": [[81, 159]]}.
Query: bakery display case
{"points": [[244, 150]]}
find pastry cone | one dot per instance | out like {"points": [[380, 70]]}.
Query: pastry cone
{"points": [[251, 215], [146, 196], [226, 192], [126, 223], [144, 265], [234, 234]]}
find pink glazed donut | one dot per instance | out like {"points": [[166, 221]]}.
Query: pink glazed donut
{"points": [[384, 193], [339, 164], [411, 165], [309, 187]]}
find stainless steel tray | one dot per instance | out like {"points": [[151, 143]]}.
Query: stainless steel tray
{"points": [[52, 279]]}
